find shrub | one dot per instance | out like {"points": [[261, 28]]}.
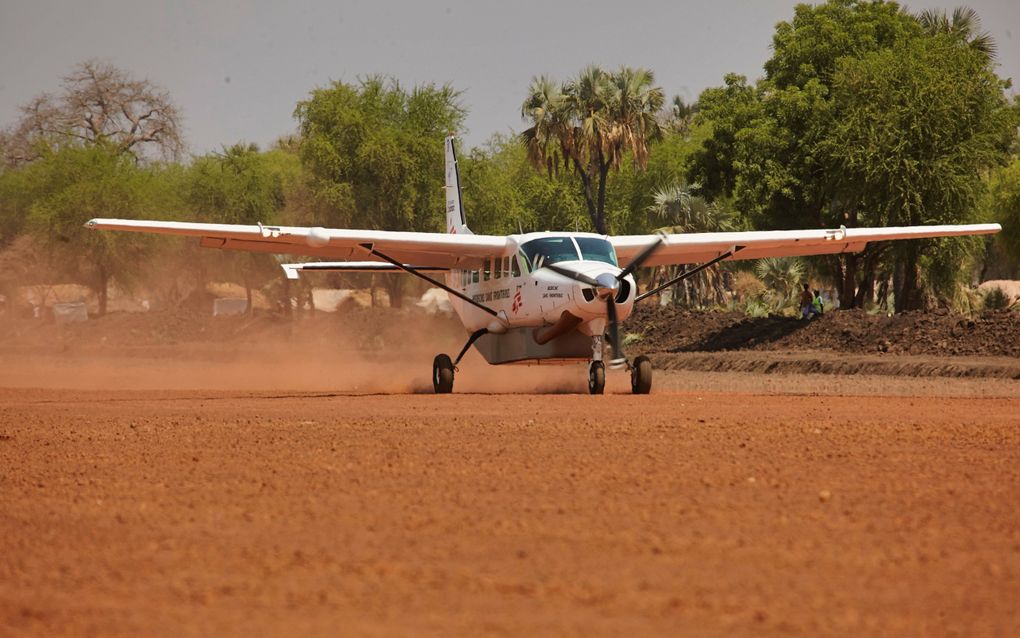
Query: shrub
{"points": [[996, 299]]}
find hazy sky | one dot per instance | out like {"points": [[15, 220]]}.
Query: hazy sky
{"points": [[237, 69]]}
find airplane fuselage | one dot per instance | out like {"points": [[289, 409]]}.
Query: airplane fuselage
{"points": [[525, 293]]}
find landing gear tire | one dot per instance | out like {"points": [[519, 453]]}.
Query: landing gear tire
{"points": [[596, 378], [641, 375], [442, 374]]}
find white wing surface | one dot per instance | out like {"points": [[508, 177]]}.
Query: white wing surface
{"points": [[435, 250], [696, 248]]}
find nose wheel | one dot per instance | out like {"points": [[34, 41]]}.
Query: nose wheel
{"points": [[442, 374]]}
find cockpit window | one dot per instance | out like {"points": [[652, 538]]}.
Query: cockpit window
{"points": [[549, 250], [596, 249]]}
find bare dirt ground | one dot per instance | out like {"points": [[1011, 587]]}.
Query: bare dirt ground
{"points": [[268, 486]]}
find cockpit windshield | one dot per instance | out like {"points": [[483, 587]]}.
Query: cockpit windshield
{"points": [[549, 250], [596, 249]]}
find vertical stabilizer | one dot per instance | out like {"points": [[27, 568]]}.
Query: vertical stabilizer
{"points": [[455, 221]]}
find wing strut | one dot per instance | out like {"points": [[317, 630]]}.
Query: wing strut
{"points": [[690, 273], [473, 338], [414, 271]]}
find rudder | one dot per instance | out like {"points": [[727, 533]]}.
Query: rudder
{"points": [[456, 224]]}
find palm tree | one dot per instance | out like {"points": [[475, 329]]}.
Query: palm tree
{"points": [[964, 25], [782, 275], [680, 115], [590, 123], [548, 140], [686, 212], [637, 104]]}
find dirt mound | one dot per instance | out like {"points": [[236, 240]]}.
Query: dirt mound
{"points": [[840, 363], [667, 329]]}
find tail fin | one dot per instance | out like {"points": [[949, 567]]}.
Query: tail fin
{"points": [[455, 221]]}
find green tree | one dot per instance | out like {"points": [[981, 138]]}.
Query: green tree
{"points": [[375, 154], [1004, 202], [765, 147], [590, 124], [74, 184], [503, 195], [809, 46], [375, 151], [236, 186], [914, 127], [783, 148]]}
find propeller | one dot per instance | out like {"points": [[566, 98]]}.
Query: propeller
{"points": [[606, 286]]}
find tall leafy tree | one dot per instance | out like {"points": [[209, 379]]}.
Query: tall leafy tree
{"points": [[503, 195], [590, 124], [375, 151], [74, 184], [781, 148], [914, 127], [236, 186], [1004, 202]]}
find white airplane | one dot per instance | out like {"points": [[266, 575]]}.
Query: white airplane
{"points": [[549, 297]]}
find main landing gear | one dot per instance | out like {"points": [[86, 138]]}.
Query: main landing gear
{"points": [[442, 374], [443, 367]]}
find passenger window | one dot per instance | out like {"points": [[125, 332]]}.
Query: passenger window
{"points": [[486, 269], [506, 266], [515, 269], [474, 276], [497, 270]]}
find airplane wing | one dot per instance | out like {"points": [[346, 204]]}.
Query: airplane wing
{"points": [[292, 270], [430, 250], [696, 248]]}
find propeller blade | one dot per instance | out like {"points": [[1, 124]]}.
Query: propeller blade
{"points": [[614, 332], [642, 256], [570, 274]]}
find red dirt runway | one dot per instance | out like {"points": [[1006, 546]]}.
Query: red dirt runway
{"points": [[226, 513]]}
